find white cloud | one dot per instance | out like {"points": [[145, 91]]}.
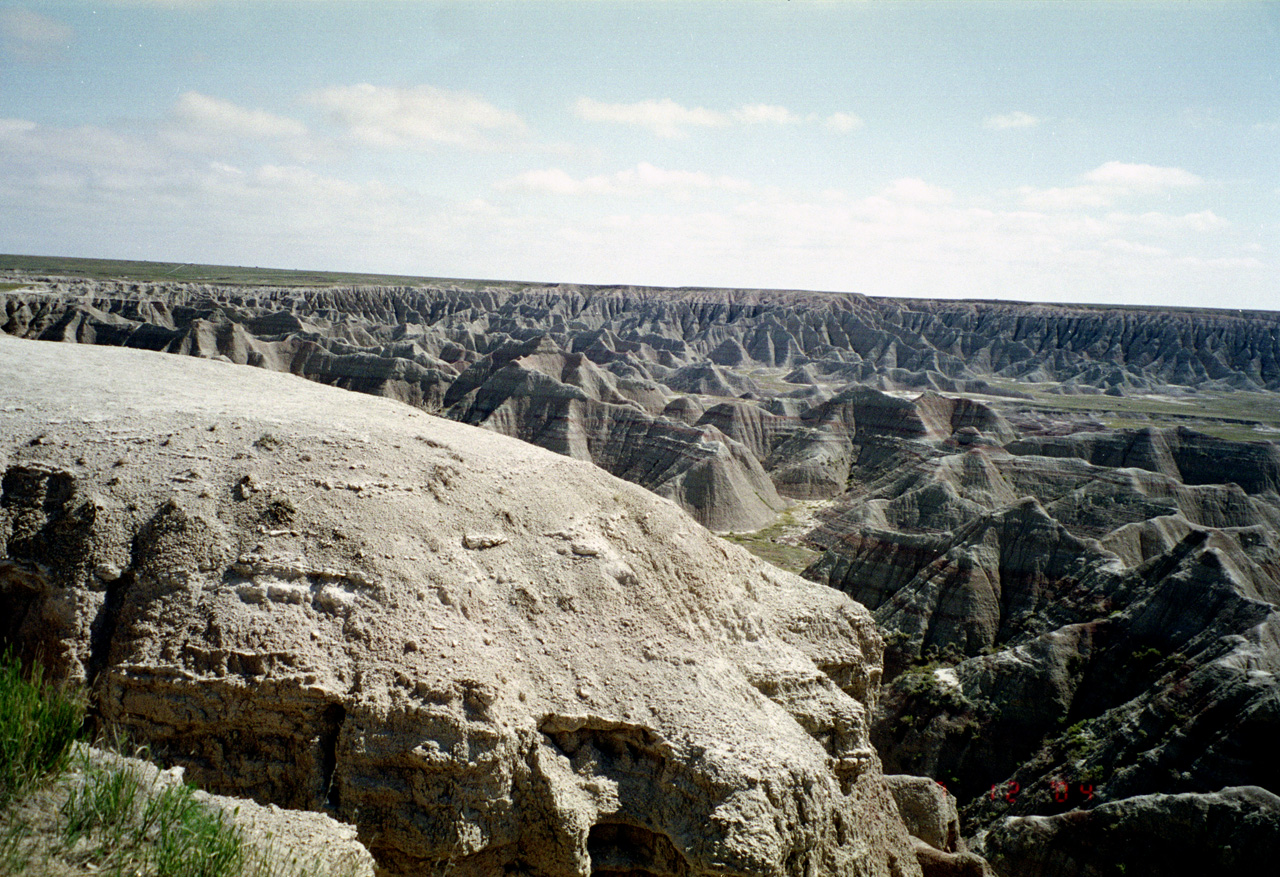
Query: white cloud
{"points": [[14, 127], [32, 149], [1106, 184], [129, 193], [1067, 197], [911, 237], [765, 114], [668, 119], [665, 117], [215, 116], [550, 181], [1011, 120], [1120, 245], [643, 179], [843, 122], [407, 118], [1201, 221], [878, 245], [1142, 177], [916, 191], [30, 36]]}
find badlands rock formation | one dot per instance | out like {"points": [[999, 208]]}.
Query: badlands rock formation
{"points": [[1080, 617], [603, 373], [1071, 623], [1227, 832], [487, 657]]}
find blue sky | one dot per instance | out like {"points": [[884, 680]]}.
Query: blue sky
{"points": [[1077, 152]]}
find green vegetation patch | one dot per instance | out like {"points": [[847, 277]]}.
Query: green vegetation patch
{"points": [[921, 685], [119, 269], [68, 811], [38, 725], [764, 544], [113, 821], [1242, 416]]}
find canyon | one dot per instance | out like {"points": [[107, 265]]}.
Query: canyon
{"points": [[1063, 523]]}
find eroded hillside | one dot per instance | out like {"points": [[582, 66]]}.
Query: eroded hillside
{"points": [[635, 379], [489, 658], [1065, 521]]}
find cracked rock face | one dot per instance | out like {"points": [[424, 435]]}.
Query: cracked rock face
{"points": [[484, 655]]}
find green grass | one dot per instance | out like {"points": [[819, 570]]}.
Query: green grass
{"points": [[117, 269], [770, 380], [105, 817], [38, 725], [787, 557], [1242, 416], [115, 822], [68, 810], [764, 544]]}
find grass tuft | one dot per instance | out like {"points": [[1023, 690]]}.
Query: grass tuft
{"points": [[38, 725], [68, 810]]}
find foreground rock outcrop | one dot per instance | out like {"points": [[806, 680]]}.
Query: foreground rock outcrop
{"points": [[487, 657]]}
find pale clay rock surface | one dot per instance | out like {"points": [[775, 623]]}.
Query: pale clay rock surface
{"points": [[478, 652]]}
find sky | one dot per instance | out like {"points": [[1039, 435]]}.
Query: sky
{"points": [[1058, 152]]}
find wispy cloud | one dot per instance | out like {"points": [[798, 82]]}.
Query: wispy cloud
{"points": [[11, 127], [765, 114], [214, 115], [666, 118], [1016, 119], [1152, 221], [1108, 183], [422, 116], [1067, 197], [843, 122], [132, 193], [1142, 177], [912, 238], [30, 36], [643, 179], [917, 191]]}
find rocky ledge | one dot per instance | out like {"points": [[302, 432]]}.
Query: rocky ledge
{"points": [[487, 657]]}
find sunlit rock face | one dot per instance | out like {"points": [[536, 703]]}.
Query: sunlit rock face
{"points": [[486, 656]]}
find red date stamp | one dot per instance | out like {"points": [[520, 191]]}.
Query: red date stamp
{"points": [[1063, 792]]}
